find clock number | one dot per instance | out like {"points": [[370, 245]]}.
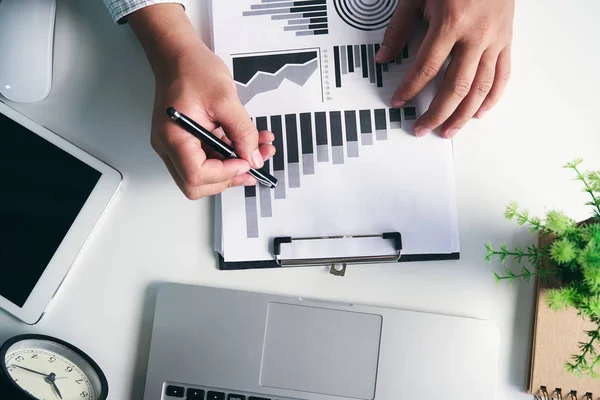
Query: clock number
{"points": [[34, 356], [69, 369], [19, 359], [79, 381], [52, 359], [83, 394]]}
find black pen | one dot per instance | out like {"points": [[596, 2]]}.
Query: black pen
{"points": [[217, 144]]}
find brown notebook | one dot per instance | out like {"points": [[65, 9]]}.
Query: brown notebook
{"points": [[555, 338]]}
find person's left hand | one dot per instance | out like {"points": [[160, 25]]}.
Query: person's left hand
{"points": [[477, 34]]}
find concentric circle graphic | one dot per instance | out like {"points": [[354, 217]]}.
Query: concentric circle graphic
{"points": [[366, 15]]}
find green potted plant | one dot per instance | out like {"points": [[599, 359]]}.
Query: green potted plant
{"points": [[568, 252]]}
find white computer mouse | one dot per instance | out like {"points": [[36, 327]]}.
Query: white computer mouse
{"points": [[26, 49]]}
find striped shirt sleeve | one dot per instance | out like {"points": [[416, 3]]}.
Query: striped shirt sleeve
{"points": [[120, 9]]}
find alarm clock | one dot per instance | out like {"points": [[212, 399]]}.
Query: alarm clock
{"points": [[45, 368]]}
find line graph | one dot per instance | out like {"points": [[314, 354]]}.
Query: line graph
{"points": [[259, 73]]}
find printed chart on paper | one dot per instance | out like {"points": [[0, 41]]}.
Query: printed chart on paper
{"points": [[346, 161]]}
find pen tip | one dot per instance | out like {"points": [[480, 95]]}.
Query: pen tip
{"points": [[171, 112]]}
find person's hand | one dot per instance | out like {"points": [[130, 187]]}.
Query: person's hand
{"points": [[196, 82], [478, 36], [199, 85]]}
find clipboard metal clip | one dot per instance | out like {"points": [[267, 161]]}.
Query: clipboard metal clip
{"points": [[338, 264]]}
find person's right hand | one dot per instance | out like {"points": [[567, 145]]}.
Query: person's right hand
{"points": [[193, 80], [198, 84]]}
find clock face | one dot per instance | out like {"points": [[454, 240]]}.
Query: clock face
{"points": [[50, 371]]}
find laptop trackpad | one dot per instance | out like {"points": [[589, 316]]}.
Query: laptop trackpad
{"points": [[323, 351]]}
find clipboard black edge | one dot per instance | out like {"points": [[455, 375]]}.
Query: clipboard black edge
{"points": [[242, 265]]}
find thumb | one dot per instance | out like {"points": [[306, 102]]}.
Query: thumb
{"points": [[240, 129], [398, 30]]}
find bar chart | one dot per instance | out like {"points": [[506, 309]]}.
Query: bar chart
{"points": [[303, 17], [305, 140], [360, 59]]}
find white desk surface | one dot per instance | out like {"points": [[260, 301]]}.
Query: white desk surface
{"points": [[102, 101]]}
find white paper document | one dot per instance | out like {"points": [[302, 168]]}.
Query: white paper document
{"points": [[347, 163]]}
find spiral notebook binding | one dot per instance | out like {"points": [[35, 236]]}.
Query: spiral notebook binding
{"points": [[542, 394]]}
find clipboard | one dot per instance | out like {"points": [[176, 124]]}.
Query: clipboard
{"points": [[337, 265], [323, 122]]}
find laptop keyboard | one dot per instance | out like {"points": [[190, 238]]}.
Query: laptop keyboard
{"points": [[188, 393]]}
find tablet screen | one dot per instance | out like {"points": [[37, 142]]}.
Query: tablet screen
{"points": [[42, 190]]}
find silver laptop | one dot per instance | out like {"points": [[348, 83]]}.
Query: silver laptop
{"points": [[217, 344]]}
